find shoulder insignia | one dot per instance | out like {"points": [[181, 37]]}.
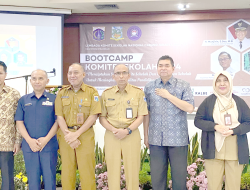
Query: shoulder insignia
{"points": [[65, 87], [96, 98], [90, 87], [109, 88], [136, 87]]}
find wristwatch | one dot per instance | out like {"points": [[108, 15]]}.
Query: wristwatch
{"points": [[129, 130]]}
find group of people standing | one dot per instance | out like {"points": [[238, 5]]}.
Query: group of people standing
{"points": [[223, 117]]}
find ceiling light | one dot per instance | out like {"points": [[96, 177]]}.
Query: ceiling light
{"points": [[183, 6]]}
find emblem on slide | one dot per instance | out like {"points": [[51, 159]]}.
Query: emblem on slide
{"points": [[117, 33], [99, 33], [134, 33], [12, 44]]}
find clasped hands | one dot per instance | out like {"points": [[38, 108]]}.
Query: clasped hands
{"points": [[71, 138], [224, 130], [37, 144], [120, 133]]}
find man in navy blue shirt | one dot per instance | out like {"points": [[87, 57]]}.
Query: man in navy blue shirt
{"points": [[36, 120]]}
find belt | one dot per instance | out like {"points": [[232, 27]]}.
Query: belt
{"points": [[74, 127]]}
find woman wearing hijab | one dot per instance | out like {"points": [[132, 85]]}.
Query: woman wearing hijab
{"points": [[224, 119]]}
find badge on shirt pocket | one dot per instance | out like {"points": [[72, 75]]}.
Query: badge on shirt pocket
{"points": [[47, 103], [28, 104], [129, 113]]}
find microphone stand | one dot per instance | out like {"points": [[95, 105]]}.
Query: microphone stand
{"points": [[26, 79]]}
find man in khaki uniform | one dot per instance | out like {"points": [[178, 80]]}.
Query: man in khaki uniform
{"points": [[77, 107], [123, 108]]}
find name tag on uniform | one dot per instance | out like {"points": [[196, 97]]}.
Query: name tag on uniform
{"points": [[129, 113], [228, 120], [79, 118], [28, 104], [47, 103]]}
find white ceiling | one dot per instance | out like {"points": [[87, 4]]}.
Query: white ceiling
{"points": [[87, 6]]}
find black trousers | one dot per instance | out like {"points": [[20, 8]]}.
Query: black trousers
{"points": [[159, 158], [7, 170]]}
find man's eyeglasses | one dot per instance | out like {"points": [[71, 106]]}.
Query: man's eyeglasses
{"points": [[124, 73], [225, 59]]}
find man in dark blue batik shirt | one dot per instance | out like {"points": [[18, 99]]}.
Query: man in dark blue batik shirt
{"points": [[165, 127], [36, 120]]}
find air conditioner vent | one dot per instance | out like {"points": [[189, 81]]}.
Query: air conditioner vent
{"points": [[107, 6]]}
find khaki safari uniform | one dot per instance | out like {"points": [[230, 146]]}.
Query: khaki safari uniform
{"points": [[225, 160], [68, 103], [114, 105]]}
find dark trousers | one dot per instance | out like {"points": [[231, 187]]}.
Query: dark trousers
{"points": [[159, 157], [7, 169], [41, 163]]}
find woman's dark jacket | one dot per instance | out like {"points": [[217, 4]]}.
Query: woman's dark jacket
{"points": [[204, 121]]}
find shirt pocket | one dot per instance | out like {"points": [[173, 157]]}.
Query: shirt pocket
{"points": [[111, 107], [66, 106], [134, 106], [27, 107], [65, 102], [86, 107]]}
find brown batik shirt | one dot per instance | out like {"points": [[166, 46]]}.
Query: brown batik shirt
{"points": [[9, 134]]}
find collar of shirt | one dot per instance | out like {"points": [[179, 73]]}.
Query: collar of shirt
{"points": [[238, 41], [127, 88], [170, 81], [83, 87], [34, 95], [6, 88]]}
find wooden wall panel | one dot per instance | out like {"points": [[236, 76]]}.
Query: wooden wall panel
{"points": [[71, 48]]}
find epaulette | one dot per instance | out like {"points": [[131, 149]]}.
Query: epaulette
{"points": [[90, 86], [136, 87], [65, 87], [109, 88]]}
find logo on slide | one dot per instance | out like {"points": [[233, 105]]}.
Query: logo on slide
{"points": [[117, 33], [134, 33], [99, 33]]}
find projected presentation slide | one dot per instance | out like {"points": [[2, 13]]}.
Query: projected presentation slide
{"points": [[18, 49], [29, 42]]}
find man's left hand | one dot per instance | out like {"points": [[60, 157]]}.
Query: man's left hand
{"points": [[70, 136], [75, 144], [16, 149], [162, 92], [121, 133], [42, 142]]}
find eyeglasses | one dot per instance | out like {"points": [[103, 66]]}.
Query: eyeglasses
{"points": [[225, 59], [222, 81], [124, 73]]}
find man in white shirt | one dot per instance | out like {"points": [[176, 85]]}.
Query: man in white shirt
{"points": [[225, 62], [241, 43]]}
